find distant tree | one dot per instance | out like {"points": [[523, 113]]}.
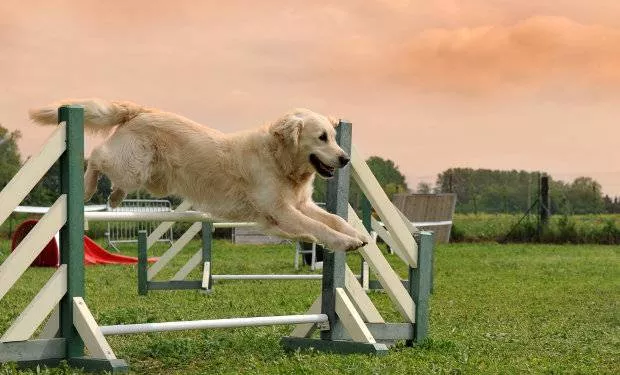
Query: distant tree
{"points": [[10, 159], [423, 188], [387, 173], [585, 196]]}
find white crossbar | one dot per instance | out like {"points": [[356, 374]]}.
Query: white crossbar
{"points": [[166, 225], [173, 250], [268, 277], [389, 279], [34, 169], [40, 306], [27, 250], [127, 329], [386, 210]]}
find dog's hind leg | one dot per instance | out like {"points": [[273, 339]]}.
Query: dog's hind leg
{"points": [[116, 197], [91, 176]]}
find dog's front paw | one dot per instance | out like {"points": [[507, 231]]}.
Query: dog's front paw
{"points": [[364, 238], [347, 244]]}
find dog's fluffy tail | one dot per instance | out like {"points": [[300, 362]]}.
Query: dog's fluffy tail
{"points": [[100, 116]]}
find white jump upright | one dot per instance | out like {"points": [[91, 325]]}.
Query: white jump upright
{"points": [[347, 319], [68, 329]]}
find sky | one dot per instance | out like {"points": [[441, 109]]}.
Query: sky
{"points": [[429, 84]]}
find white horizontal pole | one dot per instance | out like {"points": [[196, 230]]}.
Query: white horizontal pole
{"points": [[187, 216], [268, 277], [234, 225], [127, 329]]}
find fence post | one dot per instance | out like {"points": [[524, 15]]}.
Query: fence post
{"points": [[334, 262], [420, 281], [143, 287], [72, 233]]}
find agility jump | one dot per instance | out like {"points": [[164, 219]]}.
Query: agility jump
{"points": [[346, 318]]}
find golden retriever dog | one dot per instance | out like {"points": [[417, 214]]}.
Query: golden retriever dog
{"points": [[264, 175]]}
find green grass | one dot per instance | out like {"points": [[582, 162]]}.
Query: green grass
{"points": [[496, 309]]}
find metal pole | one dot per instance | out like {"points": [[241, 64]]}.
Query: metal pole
{"points": [[126, 329]]}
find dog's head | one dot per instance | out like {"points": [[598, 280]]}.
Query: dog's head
{"points": [[311, 137]]}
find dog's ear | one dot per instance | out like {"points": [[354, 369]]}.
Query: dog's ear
{"points": [[334, 121], [287, 129]]}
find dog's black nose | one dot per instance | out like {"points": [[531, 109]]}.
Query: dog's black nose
{"points": [[344, 160]]}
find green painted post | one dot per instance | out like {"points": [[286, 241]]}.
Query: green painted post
{"points": [[143, 287], [72, 233], [334, 261], [207, 246], [420, 286]]}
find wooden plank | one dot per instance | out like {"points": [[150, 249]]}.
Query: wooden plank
{"points": [[351, 319], [192, 263], [31, 172], [37, 310], [382, 205], [206, 275], [387, 238], [33, 350], [89, 331], [333, 346], [51, 328], [175, 285], [305, 330], [163, 227], [360, 299], [173, 250], [386, 275], [26, 252]]}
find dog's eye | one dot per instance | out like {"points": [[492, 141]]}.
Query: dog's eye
{"points": [[323, 137]]}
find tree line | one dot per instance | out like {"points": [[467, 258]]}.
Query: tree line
{"points": [[495, 191]]}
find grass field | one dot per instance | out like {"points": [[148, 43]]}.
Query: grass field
{"points": [[496, 309], [575, 228]]}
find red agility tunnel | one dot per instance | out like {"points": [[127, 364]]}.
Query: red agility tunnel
{"points": [[50, 256]]}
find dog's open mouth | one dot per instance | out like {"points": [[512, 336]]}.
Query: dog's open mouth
{"points": [[321, 168]]}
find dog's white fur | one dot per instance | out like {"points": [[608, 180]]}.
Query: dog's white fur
{"points": [[263, 175]]}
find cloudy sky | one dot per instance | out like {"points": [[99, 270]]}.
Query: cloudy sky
{"points": [[431, 84]]}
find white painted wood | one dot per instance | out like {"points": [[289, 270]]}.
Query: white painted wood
{"points": [[31, 172], [366, 276], [37, 310], [351, 319], [165, 226], [51, 328], [173, 250], [20, 259], [305, 330], [412, 228], [192, 263], [382, 205], [89, 331], [206, 275], [360, 299], [387, 238], [386, 275]]}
